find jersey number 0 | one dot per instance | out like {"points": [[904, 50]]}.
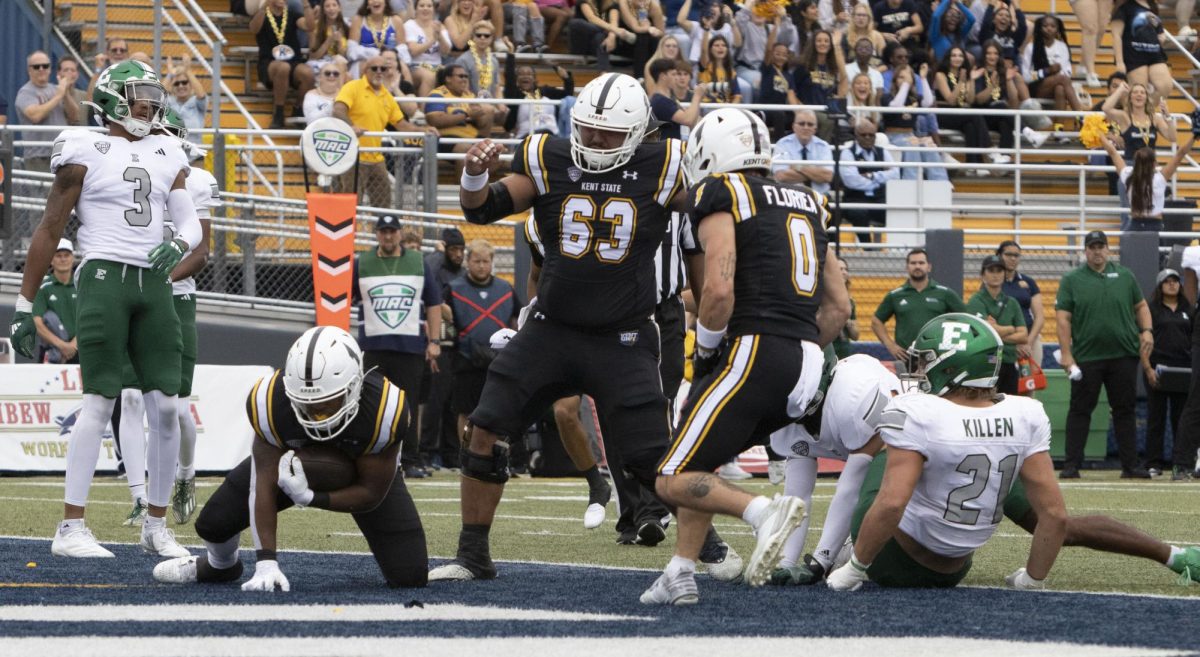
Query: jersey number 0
{"points": [[805, 262]]}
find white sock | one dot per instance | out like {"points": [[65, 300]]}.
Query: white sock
{"points": [[72, 524], [84, 447], [133, 441], [754, 511], [163, 416], [799, 480], [187, 441], [153, 522], [223, 555], [1176, 552], [678, 564]]}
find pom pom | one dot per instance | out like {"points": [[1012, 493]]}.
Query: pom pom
{"points": [[1094, 126]]}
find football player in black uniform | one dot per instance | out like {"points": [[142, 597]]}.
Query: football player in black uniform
{"points": [[320, 397], [772, 293], [600, 200]]}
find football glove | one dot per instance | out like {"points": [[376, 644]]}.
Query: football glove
{"points": [[1196, 123], [849, 577], [1021, 581], [293, 480], [22, 329], [267, 576], [164, 257], [704, 361], [810, 572]]}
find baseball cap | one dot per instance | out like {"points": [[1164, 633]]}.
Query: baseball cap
{"points": [[453, 237], [991, 261], [388, 221], [1165, 274], [65, 245], [1094, 237]]}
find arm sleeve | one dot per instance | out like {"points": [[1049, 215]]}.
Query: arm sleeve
{"points": [[986, 28], [435, 107], [520, 164], [714, 194], [687, 235], [355, 297], [534, 239], [183, 215]]}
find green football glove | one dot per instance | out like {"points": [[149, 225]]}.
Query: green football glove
{"points": [[22, 329], [810, 572], [165, 256]]}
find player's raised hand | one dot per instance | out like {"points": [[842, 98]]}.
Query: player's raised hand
{"points": [[22, 329], [267, 576], [483, 156], [292, 479]]}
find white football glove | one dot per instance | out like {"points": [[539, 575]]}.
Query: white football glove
{"points": [[499, 339], [849, 577], [524, 314], [1021, 581], [267, 576], [292, 479]]}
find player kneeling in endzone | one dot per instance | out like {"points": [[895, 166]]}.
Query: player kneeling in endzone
{"points": [[332, 404]]}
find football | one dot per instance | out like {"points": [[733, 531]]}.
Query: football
{"points": [[327, 467]]}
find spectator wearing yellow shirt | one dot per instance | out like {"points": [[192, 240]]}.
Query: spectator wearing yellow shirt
{"points": [[368, 106], [457, 119]]}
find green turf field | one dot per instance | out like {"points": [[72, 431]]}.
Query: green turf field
{"points": [[541, 520]]}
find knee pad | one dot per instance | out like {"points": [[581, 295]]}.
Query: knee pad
{"points": [[492, 469]]}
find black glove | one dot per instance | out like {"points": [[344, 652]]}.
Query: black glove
{"points": [[1196, 123], [704, 361]]}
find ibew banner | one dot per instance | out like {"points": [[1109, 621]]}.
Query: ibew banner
{"points": [[40, 403]]}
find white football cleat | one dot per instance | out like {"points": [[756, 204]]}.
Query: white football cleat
{"points": [[783, 515], [176, 571], [732, 471], [78, 543], [594, 516], [722, 562], [678, 590], [162, 542], [451, 572]]}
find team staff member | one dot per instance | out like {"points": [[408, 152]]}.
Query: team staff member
{"points": [[54, 309], [364, 416], [392, 283], [913, 304], [1004, 314], [1103, 325]]}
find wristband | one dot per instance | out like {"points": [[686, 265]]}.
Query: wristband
{"points": [[472, 182], [320, 500], [264, 555], [858, 565], [708, 339], [23, 305]]}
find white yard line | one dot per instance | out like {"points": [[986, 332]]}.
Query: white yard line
{"points": [[314, 613]]}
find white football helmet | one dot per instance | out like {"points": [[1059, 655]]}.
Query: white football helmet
{"points": [[614, 102], [725, 140], [323, 378]]}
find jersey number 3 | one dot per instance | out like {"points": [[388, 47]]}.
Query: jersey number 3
{"points": [[578, 227], [140, 215]]}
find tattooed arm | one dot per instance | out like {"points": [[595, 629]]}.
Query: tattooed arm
{"points": [[720, 264]]}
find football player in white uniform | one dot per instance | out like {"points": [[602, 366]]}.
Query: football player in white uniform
{"points": [[939, 491], [841, 424], [120, 185]]}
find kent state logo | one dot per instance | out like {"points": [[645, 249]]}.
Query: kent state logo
{"points": [[331, 145], [393, 302]]}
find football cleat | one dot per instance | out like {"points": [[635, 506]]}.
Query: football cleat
{"points": [[597, 507], [183, 500], [137, 515], [650, 533], [1188, 566], [679, 589], [721, 561], [78, 543], [458, 571], [733, 472], [161, 541], [176, 571], [810, 572], [782, 516]]}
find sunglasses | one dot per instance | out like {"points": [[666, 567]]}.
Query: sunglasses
{"points": [[377, 69], [181, 83], [483, 35], [39, 67], [118, 50], [331, 74]]}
